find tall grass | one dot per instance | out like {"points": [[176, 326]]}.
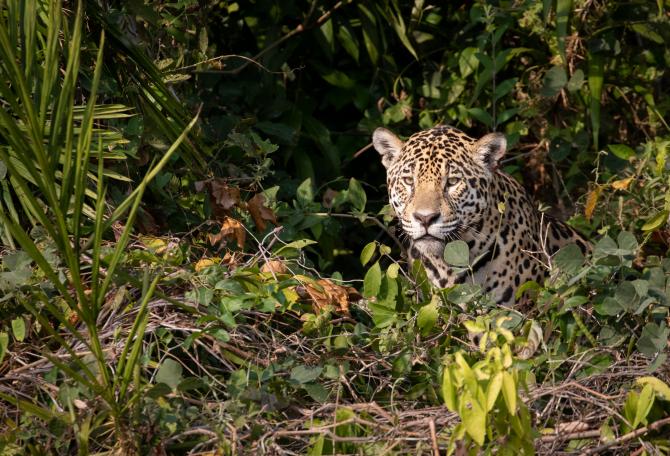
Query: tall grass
{"points": [[54, 156]]}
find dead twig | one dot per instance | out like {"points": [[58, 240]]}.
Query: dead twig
{"points": [[630, 436]]}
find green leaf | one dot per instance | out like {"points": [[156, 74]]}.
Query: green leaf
{"points": [[608, 306], [569, 259], [473, 417], [19, 329], [622, 151], [482, 116], [463, 293], [357, 195], [170, 373], [626, 296], [457, 253], [304, 374], [644, 403], [509, 392], [493, 390], [576, 81], [653, 338], [316, 391], [4, 343], [427, 316], [468, 61], [627, 242], [574, 301], [449, 390], [382, 315], [661, 389], [367, 252], [305, 192], [339, 79], [554, 81], [15, 261], [392, 271], [372, 281], [369, 28], [297, 245], [348, 41], [645, 30], [657, 221], [563, 10]]}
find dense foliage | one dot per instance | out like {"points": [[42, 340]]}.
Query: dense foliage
{"points": [[197, 255]]}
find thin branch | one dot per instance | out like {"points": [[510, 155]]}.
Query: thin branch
{"points": [[630, 436]]}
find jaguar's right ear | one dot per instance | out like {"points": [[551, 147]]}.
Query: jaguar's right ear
{"points": [[387, 144]]}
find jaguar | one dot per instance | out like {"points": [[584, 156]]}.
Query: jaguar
{"points": [[444, 185]]}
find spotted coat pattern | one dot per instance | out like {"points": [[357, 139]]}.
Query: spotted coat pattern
{"points": [[444, 185]]}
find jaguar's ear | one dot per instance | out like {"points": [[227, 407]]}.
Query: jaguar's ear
{"points": [[490, 149], [387, 144]]}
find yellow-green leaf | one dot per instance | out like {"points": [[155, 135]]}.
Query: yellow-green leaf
{"points": [[656, 221], [644, 403], [19, 329], [493, 390], [372, 281], [661, 389], [473, 417], [509, 392], [448, 390], [368, 251]]}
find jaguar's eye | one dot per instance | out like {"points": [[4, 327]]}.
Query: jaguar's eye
{"points": [[451, 181], [407, 181]]}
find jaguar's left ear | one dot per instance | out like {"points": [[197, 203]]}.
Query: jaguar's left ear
{"points": [[490, 149], [388, 145]]}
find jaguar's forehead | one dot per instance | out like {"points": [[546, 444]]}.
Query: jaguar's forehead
{"points": [[435, 149]]}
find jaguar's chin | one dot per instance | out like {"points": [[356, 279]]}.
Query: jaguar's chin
{"points": [[429, 245]]}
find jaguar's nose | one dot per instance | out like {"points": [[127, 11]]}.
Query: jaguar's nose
{"points": [[426, 218]]}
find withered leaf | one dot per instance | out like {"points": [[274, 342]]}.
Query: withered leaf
{"points": [[230, 229], [324, 293], [274, 266], [622, 184], [259, 212], [591, 201], [224, 196], [328, 198]]}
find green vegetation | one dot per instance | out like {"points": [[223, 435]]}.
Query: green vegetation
{"points": [[197, 255]]}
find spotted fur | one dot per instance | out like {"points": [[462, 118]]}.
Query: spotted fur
{"points": [[444, 185]]}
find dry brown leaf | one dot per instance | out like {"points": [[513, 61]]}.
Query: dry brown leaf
{"points": [[274, 266], [622, 184], [230, 229], [231, 259], [223, 196], [324, 293], [591, 201], [328, 198], [259, 212]]}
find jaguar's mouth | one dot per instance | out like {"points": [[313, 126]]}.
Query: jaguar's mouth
{"points": [[428, 244]]}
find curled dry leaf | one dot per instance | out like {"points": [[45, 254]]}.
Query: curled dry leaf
{"points": [[230, 229], [622, 184], [323, 293], [259, 212], [591, 201], [222, 197], [274, 266]]}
